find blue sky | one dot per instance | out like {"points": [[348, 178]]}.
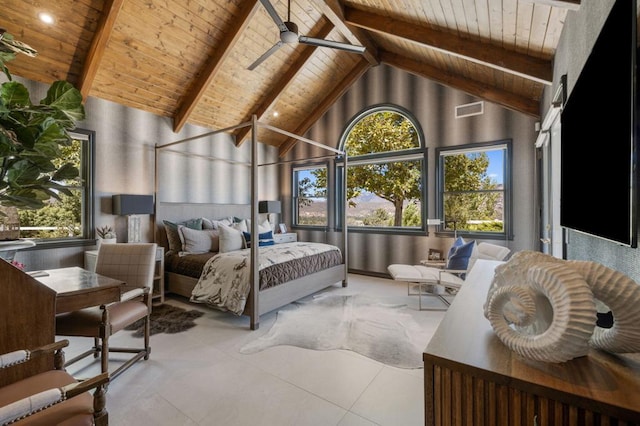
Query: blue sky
{"points": [[496, 170]]}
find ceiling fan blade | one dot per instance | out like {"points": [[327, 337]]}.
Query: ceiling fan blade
{"points": [[265, 55], [330, 43], [274, 15]]}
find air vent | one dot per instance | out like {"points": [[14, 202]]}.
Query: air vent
{"points": [[467, 110]]}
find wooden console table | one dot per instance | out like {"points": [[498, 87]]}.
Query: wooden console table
{"points": [[472, 378]]}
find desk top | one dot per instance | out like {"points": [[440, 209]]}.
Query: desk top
{"points": [[75, 280], [78, 288], [466, 341]]}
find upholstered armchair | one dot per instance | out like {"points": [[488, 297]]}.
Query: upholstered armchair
{"points": [[134, 264], [50, 397]]}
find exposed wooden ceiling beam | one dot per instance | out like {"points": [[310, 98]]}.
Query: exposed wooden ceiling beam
{"points": [[361, 67], [506, 99], [564, 4], [483, 53], [334, 11], [98, 45], [214, 64], [276, 90]]}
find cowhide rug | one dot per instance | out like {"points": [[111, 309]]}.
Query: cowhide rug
{"points": [[383, 332], [167, 319]]}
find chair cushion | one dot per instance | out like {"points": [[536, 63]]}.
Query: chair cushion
{"points": [[459, 256], [74, 411], [413, 273], [86, 322], [424, 274]]}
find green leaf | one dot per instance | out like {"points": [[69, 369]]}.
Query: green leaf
{"points": [[22, 172], [67, 171], [14, 94], [66, 98]]}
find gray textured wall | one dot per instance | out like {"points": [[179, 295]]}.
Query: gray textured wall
{"points": [[434, 107], [580, 32]]}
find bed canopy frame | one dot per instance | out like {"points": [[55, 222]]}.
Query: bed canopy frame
{"points": [[255, 125]]}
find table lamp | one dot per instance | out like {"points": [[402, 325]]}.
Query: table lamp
{"points": [[269, 207], [131, 206]]}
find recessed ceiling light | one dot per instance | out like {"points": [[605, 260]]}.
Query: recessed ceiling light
{"points": [[45, 17], [275, 113]]}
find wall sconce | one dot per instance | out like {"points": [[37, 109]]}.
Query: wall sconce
{"points": [[269, 207], [132, 206]]}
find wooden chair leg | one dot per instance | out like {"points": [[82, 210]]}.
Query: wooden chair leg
{"points": [[147, 334], [106, 331]]}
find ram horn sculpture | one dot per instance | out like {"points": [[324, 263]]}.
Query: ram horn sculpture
{"points": [[544, 308]]}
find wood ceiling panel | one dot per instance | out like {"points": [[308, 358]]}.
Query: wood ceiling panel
{"points": [[60, 47], [159, 53]]}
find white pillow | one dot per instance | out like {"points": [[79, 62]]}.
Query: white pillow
{"points": [[230, 239], [199, 241], [262, 227], [215, 223], [240, 226]]}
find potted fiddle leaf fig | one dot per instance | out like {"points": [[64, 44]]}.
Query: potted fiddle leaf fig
{"points": [[32, 165]]}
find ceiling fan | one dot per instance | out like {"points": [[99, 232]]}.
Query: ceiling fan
{"points": [[289, 35]]}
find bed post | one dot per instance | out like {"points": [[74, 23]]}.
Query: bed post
{"points": [[345, 254], [255, 279]]}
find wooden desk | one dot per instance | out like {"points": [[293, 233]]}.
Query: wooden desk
{"points": [[471, 377], [77, 288]]}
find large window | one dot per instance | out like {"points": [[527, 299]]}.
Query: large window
{"points": [[70, 217], [474, 184], [310, 196], [385, 171]]}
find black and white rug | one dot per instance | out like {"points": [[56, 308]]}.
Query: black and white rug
{"points": [[385, 332], [166, 318]]}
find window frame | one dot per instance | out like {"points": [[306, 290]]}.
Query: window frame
{"points": [[294, 195], [420, 153], [87, 175], [507, 146]]}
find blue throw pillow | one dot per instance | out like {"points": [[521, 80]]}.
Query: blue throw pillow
{"points": [[456, 243], [264, 238], [459, 259]]}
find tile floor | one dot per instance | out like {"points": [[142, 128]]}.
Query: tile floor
{"points": [[198, 377]]}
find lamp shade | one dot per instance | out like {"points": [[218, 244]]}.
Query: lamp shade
{"points": [[269, 207], [126, 204]]}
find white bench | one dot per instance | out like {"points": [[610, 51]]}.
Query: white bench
{"points": [[420, 275]]}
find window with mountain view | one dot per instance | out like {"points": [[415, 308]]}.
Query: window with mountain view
{"points": [[385, 171], [310, 195], [473, 188]]}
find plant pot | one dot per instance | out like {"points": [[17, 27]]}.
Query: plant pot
{"points": [[106, 241]]}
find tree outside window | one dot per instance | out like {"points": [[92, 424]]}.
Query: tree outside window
{"points": [[473, 188], [310, 196], [69, 216], [386, 169]]}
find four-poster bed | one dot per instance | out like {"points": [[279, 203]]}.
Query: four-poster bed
{"points": [[260, 298]]}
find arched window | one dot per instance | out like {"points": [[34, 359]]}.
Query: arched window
{"points": [[386, 168]]}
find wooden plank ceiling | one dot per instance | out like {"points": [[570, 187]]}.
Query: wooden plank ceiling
{"points": [[188, 59]]}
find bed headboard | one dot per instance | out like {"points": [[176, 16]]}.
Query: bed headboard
{"points": [[177, 212]]}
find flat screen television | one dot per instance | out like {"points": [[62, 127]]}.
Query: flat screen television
{"points": [[599, 146]]}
